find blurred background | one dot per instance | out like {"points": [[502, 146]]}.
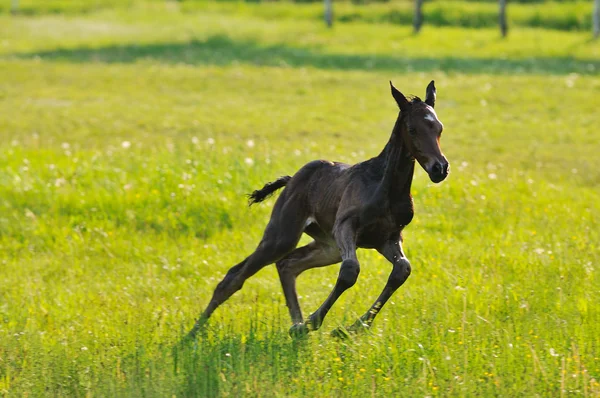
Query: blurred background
{"points": [[551, 14]]}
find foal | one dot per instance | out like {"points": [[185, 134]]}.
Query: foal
{"points": [[343, 208]]}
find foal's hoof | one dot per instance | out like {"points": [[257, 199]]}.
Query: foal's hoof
{"points": [[199, 329], [299, 330], [340, 333], [344, 333], [358, 327]]}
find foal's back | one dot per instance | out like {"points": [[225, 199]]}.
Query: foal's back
{"points": [[321, 187]]}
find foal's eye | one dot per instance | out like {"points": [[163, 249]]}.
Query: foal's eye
{"points": [[412, 131]]}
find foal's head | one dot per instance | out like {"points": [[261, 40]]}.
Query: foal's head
{"points": [[422, 132]]}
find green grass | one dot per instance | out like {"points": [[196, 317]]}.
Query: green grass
{"points": [[128, 140]]}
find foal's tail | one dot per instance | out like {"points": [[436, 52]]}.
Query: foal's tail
{"points": [[261, 194]]}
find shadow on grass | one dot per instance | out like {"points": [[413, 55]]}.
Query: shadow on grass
{"points": [[224, 366], [222, 51], [221, 364]]}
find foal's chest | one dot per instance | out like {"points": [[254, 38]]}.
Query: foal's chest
{"points": [[385, 226]]}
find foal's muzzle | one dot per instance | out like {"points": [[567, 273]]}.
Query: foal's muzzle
{"points": [[439, 171]]}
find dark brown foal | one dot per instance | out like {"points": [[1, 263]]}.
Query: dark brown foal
{"points": [[344, 208]]}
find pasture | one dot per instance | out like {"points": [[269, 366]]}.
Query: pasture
{"points": [[129, 138]]}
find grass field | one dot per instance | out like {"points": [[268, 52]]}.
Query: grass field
{"points": [[128, 139]]}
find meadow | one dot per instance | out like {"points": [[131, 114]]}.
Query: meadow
{"points": [[130, 137]]}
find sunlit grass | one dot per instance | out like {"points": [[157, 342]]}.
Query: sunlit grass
{"points": [[128, 142]]}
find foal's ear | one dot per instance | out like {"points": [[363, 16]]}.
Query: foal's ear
{"points": [[430, 94], [399, 97]]}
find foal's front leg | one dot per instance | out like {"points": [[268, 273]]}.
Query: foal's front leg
{"points": [[349, 270], [392, 251]]}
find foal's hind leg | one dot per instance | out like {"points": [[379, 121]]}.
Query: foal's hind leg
{"points": [[281, 236], [315, 254], [392, 251], [349, 270]]}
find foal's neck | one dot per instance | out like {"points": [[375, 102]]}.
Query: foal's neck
{"points": [[398, 164]]}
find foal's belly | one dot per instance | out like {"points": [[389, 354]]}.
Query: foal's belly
{"points": [[370, 236], [374, 235]]}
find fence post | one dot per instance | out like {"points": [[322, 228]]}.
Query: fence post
{"points": [[329, 12], [502, 18], [596, 19], [14, 6], [418, 18]]}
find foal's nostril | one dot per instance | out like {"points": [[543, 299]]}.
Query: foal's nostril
{"points": [[437, 168], [438, 171], [446, 167]]}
